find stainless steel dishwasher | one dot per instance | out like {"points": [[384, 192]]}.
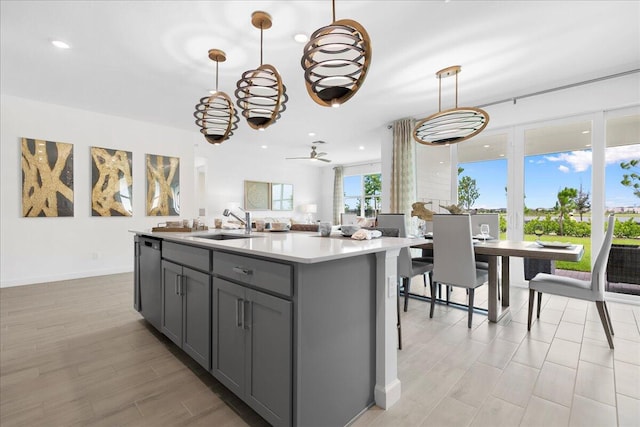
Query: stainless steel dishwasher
{"points": [[148, 279]]}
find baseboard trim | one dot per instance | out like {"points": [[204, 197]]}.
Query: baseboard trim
{"points": [[60, 277]]}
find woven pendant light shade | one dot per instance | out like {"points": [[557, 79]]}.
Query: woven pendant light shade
{"points": [[261, 94], [450, 126], [215, 114], [335, 61]]}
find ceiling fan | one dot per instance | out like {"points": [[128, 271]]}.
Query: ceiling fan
{"points": [[312, 156]]}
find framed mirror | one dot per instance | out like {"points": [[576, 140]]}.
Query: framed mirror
{"points": [[281, 197]]}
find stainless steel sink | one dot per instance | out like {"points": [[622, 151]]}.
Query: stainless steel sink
{"points": [[224, 236]]}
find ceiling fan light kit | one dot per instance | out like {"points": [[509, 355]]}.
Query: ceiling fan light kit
{"points": [[215, 114], [453, 125], [261, 94], [335, 61]]}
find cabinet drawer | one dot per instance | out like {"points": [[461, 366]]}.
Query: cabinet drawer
{"points": [[190, 256], [268, 275]]}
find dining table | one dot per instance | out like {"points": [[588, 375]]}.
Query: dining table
{"points": [[505, 249]]}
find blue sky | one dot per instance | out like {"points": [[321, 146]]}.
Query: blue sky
{"points": [[547, 174]]}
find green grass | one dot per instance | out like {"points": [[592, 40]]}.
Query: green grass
{"points": [[585, 263]]}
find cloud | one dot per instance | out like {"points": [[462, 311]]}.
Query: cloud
{"points": [[563, 168], [579, 161], [623, 153]]}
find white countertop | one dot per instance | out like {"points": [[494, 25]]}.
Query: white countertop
{"points": [[296, 246]]}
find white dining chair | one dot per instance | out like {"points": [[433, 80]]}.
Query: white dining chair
{"points": [[454, 259], [587, 290]]}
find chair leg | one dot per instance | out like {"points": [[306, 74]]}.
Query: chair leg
{"points": [[399, 323], [605, 323], [406, 283], [532, 297], [448, 293], [606, 311], [539, 304], [433, 298], [471, 294]]}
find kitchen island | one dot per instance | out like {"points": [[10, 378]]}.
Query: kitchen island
{"points": [[300, 327]]}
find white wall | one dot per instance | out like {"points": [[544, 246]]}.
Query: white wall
{"points": [[231, 163], [34, 250]]}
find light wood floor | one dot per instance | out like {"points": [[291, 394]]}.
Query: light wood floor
{"points": [[76, 353]]}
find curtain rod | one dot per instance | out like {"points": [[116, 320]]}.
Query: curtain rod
{"points": [[555, 89]]}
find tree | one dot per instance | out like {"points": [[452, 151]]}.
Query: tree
{"points": [[467, 192], [372, 191], [583, 205], [631, 179], [565, 205]]}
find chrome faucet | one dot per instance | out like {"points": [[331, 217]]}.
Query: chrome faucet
{"points": [[246, 221]]}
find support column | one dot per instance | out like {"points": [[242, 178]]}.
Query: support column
{"points": [[387, 390]]}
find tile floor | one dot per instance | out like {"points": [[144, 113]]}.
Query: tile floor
{"points": [[76, 353], [562, 373]]}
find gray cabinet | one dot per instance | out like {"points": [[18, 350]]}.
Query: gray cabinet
{"points": [[147, 279], [186, 310], [252, 348]]}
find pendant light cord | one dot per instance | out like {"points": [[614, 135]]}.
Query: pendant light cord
{"points": [[216, 76], [261, 44], [333, 2]]}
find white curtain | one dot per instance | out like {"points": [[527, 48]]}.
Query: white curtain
{"points": [[338, 193], [402, 171]]}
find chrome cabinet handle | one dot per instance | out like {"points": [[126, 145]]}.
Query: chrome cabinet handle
{"points": [[239, 311], [242, 270]]}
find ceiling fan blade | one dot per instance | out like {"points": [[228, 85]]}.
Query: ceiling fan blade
{"points": [[296, 158], [324, 160], [320, 154]]}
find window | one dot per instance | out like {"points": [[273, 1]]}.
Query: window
{"points": [[482, 174], [362, 194]]}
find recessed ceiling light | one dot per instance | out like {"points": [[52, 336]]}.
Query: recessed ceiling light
{"points": [[442, 163], [587, 145], [584, 132], [263, 146], [311, 134], [361, 147], [501, 155], [486, 146], [60, 44], [301, 38]]}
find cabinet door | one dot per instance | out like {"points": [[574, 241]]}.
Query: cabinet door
{"points": [[269, 356], [228, 335], [171, 302], [196, 294]]}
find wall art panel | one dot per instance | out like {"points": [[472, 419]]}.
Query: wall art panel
{"points": [[111, 182], [163, 185], [47, 178]]}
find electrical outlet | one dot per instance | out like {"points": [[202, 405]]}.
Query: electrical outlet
{"points": [[392, 288]]}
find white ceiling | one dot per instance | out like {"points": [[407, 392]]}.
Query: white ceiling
{"points": [[147, 60]]}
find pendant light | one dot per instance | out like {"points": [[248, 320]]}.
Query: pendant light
{"points": [[215, 114], [453, 125], [260, 92], [335, 61]]}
